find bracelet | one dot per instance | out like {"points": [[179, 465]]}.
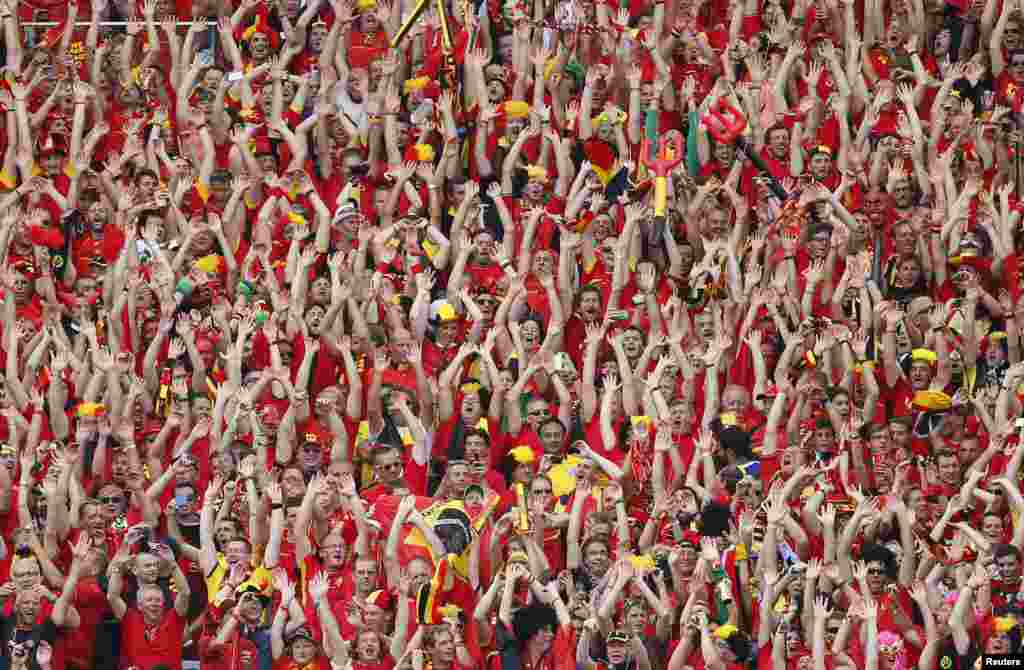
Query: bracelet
{"points": [[276, 506]]}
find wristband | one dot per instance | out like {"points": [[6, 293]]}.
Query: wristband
{"points": [[741, 552], [276, 506]]}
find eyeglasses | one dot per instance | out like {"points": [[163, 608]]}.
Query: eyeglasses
{"points": [[876, 571], [111, 500], [390, 466]]}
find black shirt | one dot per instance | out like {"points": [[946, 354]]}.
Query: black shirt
{"points": [[26, 640]]}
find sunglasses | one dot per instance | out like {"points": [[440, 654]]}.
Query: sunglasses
{"points": [[876, 571], [111, 500]]}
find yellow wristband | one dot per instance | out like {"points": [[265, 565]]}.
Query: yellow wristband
{"points": [[741, 552]]}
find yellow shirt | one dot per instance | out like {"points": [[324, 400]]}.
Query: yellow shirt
{"points": [[215, 579]]}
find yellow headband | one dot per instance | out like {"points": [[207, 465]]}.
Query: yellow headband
{"points": [[424, 152], [516, 109], [926, 355], [726, 631], [618, 117], [523, 454], [417, 84], [536, 172]]}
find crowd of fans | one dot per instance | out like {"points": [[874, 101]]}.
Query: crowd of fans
{"points": [[669, 334]]}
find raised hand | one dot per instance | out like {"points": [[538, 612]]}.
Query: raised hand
{"points": [[821, 609]]}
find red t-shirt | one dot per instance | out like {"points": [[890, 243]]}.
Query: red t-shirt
{"points": [[91, 602], [229, 656], [145, 647]]}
